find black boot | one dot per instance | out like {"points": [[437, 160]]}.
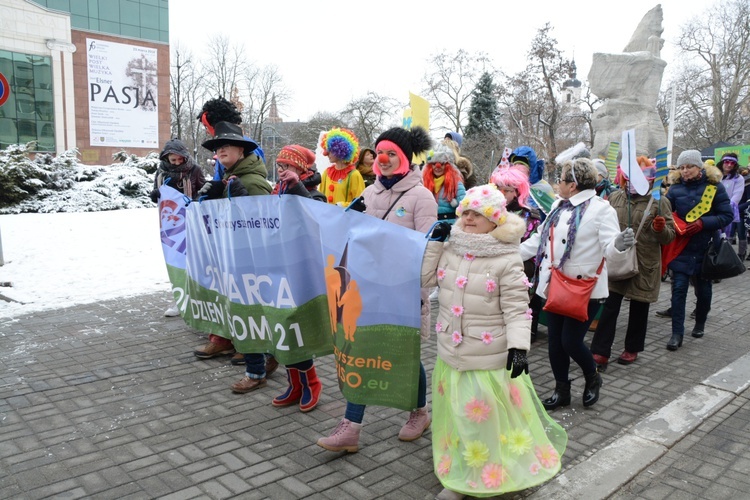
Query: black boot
{"points": [[561, 396], [675, 342], [698, 331], [591, 391]]}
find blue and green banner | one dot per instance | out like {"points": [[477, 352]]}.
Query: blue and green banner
{"points": [[300, 279]]}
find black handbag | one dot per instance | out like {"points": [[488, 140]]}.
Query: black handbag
{"points": [[721, 261]]}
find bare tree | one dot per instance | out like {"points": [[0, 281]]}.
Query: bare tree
{"points": [[547, 63], [308, 133], [263, 87], [449, 87], [225, 64], [713, 87], [369, 115]]}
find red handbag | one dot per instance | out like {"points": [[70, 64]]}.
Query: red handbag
{"points": [[568, 296]]}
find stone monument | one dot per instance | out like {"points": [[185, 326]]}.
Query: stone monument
{"points": [[629, 84]]}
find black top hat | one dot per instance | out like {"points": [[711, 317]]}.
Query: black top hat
{"points": [[229, 133]]}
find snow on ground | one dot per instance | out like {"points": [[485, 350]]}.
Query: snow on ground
{"points": [[57, 260]]}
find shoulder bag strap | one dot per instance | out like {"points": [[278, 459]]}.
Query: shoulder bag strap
{"points": [[394, 204]]}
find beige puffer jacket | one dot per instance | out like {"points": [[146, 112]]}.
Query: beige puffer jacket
{"points": [[489, 309], [416, 209]]}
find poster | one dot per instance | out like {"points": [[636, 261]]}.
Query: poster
{"points": [[122, 95]]}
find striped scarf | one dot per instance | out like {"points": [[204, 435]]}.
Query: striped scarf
{"points": [[552, 220]]}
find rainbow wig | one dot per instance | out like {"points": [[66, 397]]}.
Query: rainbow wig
{"points": [[342, 143], [512, 177]]}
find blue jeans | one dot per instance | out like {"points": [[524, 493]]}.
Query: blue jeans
{"points": [[255, 365], [356, 412], [703, 294]]}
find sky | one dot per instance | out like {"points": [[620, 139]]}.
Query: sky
{"points": [[62, 259], [329, 53]]}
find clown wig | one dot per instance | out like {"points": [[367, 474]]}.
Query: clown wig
{"points": [[452, 178], [647, 167], [342, 143], [512, 177]]}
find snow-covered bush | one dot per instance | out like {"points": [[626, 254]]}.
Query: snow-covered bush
{"points": [[62, 184]]}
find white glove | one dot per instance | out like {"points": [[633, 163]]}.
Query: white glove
{"points": [[625, 240]]}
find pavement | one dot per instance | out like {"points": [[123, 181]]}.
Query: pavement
{"points": [[106, 401]]}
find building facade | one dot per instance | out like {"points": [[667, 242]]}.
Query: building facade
{"points": [[85, 74]]}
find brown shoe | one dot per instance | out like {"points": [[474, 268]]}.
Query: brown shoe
{"points": [[238, 359], [271, 365], [212, 350], [248, 384]]}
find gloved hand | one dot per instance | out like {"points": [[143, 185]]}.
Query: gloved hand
{"points": [[154, 195], [694, 227], [441, 231], [236, 188], [358, 205], [517, 362], [625, 240], [659, 223], [289, 177], [212, 190]]}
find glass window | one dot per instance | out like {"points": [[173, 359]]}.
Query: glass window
{"points": [[109, 27], [109, 11], [128, 30], [8, 132], [79, 7], [149, 17], [28, 114], [63, 5], [79, 21], [129, 13]]}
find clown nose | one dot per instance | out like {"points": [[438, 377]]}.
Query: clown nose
{"points": [[383, 158]]}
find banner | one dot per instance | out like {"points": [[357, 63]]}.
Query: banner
{"points": [[300, 279], [611, 161], [662, 169], [122, 95]]}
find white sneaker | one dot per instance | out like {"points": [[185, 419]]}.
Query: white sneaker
{"points": [[172, 311]]}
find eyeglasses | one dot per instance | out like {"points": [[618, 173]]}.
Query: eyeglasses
{"points": [[282, 166]]}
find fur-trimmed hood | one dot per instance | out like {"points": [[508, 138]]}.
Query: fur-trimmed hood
{"points": [[713, 175], [507, 234]]}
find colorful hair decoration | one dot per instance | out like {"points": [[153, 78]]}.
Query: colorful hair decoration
{"points": [[511, 177], [342, 143]]}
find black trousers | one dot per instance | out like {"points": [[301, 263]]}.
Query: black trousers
{"points": [[635, 336]]}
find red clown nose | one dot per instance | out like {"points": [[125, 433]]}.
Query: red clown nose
{"points": [[383, 159]]}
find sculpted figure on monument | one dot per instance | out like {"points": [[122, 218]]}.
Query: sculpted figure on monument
{"points": [[629, 84]]}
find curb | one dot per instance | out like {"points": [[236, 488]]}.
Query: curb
{"points": [[607, 470]]}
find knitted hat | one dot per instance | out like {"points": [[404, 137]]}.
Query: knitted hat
{"points": [[728, 156], [601, 167], [342, 143], [404, 142], [486, 200], [455, 136], [690, 157], [296, 156], [441, 154]]}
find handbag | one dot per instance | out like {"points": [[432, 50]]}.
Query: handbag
{"points": [[569, 296], [622, 266], [721, 262]]}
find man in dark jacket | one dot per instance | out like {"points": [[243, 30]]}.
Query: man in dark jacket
{"points": [[701, 208]]}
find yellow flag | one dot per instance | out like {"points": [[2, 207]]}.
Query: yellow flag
{"points": [[420, 111], [420, 117]]}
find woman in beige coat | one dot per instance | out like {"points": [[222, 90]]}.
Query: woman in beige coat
{"points": [[490, 433]]}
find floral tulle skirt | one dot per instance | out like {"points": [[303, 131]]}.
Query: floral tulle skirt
{"points": [[490, 433]]}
